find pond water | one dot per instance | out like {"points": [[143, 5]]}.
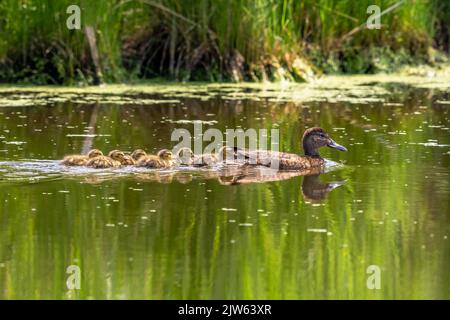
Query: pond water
{"points": [[187, 234]]}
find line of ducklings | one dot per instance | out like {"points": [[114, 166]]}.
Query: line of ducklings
{"points": [[139, 158], [116, 158]]}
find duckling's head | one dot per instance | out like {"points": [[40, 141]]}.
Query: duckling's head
{"points": [[94, 153], [165, 154], [138, 153], [185, 155], [116, 155], [315, 138]]}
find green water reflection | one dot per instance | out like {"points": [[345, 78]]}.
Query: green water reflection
{"points": [[137, 238]]}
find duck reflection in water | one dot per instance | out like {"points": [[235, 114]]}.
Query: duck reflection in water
{"points": [[313, 189], [316, 191]]}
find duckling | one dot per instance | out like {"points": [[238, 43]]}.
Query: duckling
{"points": [[137, 154], [188, 158], [185, 156], [119, 156], [162, 160], [80, 159], [313, 139], [128, 160], [109, 161]]}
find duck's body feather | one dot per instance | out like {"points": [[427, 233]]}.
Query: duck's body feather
{"points": [[128, 161], [313, 139], [75, 160], [151, 161], [80, 159], [102, 162], [281, 160], [162, 160]]}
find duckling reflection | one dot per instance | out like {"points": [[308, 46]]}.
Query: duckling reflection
{"points": [[156, 176], [96, 179], [165, 177], [183, 177]]}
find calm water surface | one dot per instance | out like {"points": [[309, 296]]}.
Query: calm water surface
{"points": [[188, 235]]}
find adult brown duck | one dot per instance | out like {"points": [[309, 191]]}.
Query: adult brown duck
{"points": [[313, 139]]}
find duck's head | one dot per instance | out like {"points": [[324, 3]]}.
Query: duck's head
{"points": [[94, 153], [165, 154], [315, 138], [116, 155], [138, 153]]}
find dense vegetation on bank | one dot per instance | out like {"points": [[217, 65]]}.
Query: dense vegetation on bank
{"points": [[214, 40]]}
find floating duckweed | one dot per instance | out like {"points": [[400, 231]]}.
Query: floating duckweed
{"points": [[351, 89]]}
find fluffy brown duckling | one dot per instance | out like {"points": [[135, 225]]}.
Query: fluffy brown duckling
{"points": [[128, 160], [188, 158], [163, 159], [80, 159], [137, 154], [124, 159], [313, 139], [112, 160]]}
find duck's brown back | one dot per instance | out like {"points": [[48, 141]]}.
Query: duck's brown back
{"points": [[281, 160]]}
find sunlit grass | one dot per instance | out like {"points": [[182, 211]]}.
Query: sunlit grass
{"points": [[202, 39]]}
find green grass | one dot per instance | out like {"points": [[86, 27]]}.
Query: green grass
{"points": [[208, 40]]}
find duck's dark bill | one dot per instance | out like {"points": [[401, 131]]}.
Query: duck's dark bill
{"points": [[333, 144]]}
